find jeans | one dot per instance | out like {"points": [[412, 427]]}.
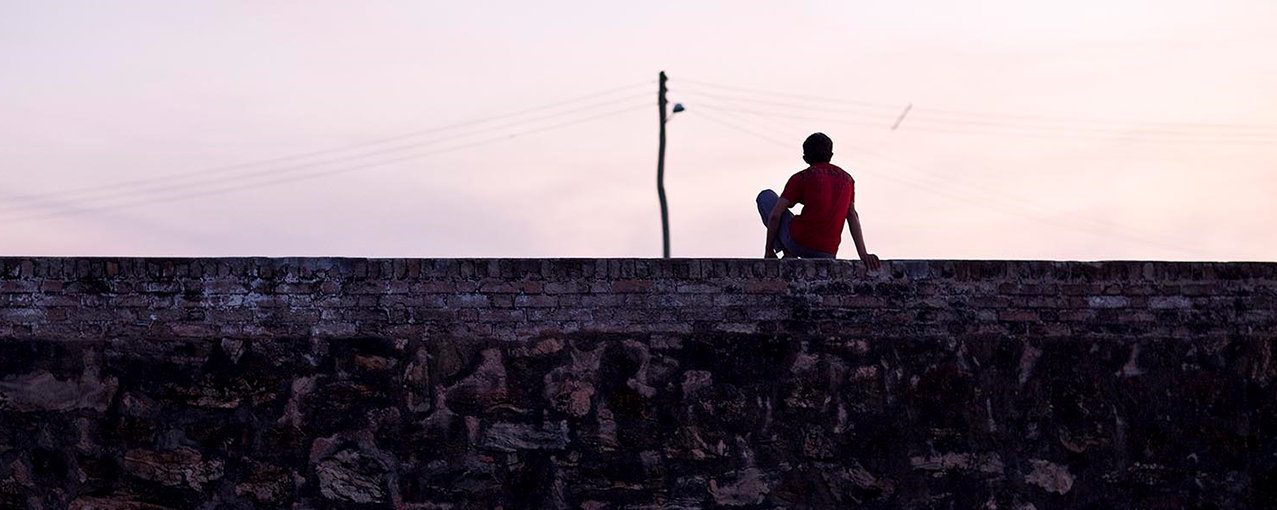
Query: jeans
{"points": [[766, 202]]}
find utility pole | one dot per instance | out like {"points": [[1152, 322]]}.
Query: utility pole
{"points": [[660, 170]]}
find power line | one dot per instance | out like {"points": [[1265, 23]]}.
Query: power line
{"points": [[860, 151], [1077, 120], [156, 186], [1115, 136], [874, 118], [309, 176], [1016, 201], [960, 197], [756, 134], [304, 155], [884, 117], [719, 96], [794, 96], [886, 124], [955, 112]]}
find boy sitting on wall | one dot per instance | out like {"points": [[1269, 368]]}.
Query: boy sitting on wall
{"points": [[828, 196]]}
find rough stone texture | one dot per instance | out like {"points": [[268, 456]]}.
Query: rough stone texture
{"points": [[454, 384]]}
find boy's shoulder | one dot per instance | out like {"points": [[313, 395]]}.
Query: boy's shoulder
{"points": [[842, 174], [825, 169]]}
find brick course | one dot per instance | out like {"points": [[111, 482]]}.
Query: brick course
{"points": [[46, 290]]}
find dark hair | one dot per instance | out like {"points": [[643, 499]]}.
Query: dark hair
{"points": [[818, 148]]}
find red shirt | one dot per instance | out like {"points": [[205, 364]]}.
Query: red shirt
{"points": [[826, 193]]}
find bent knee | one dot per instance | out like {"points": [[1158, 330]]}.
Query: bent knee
{"points": [[765, 195]]}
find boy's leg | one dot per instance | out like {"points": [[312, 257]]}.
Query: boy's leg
{"points": [[766, 202]]}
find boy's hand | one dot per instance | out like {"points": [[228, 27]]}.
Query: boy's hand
{"points": [[871, 261]]}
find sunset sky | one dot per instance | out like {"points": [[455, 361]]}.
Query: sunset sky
{"points": [[1087, 129]]}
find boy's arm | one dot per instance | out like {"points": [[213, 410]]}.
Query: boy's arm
{"points": [[853, 223], [773, 225]]}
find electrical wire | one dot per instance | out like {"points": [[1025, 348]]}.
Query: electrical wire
{"points": [[989, 132], [159, 186], [239, 167], [873, 118], [861, 150], [968, 113], [1019, 202], [789, 95], [960, 197], [313, 175], [732, 98]]}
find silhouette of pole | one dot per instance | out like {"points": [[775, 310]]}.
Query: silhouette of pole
{"points": [[660, 170]]}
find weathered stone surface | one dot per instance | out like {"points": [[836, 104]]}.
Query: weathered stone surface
{"points": [[350, 476], [510, 437], [418, 393], [747, 487], [266, 484], [42, 391], [483, 388], [1049, 476], [123, 501], [457, 384], [183, 467]]}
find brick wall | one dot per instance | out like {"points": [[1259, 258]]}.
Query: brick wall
{"points": [[623, 383]]}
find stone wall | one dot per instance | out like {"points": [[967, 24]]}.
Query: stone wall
{"points": [[424, 384]]}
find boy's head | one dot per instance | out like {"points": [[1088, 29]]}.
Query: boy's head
{"points": [[818, 148]]}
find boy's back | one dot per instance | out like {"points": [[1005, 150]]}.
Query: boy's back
{"points": [[826, 192]]}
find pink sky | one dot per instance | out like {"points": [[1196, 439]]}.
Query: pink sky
{"points": [[99, 93]]}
